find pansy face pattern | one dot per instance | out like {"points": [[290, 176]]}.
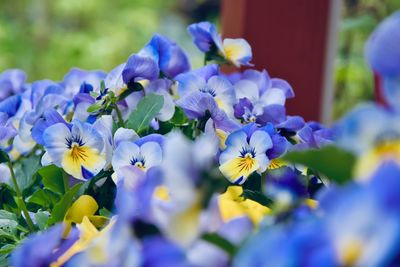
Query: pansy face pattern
{"points": [[158, 164], [78, 150]]}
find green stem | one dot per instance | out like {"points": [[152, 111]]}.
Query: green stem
{"points": [[119, 115], [20, 200]]}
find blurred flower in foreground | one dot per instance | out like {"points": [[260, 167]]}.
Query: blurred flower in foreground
{"points": [[346, 233], [382, 51], [373, 134]]}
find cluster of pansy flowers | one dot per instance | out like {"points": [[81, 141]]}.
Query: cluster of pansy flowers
{"points": [[162, 165]]}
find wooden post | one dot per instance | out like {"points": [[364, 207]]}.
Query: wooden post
{"points": [[291, 39]]}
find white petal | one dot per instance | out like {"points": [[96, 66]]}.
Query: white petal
{"points": [[152, 154], [123, 154], [247, 89]]}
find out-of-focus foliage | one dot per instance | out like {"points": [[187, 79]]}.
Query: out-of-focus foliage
{"points": [[353, 77], [46, 38]]}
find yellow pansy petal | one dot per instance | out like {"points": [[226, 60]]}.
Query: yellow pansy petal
{"points": [[237, 51], [85, 205], [222, 136], [82, 156], [232, 205], [87, 233], [239, 167], [276, 163]]}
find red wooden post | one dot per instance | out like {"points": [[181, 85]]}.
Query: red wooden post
{"points": [[291, 39], [379, 97]]}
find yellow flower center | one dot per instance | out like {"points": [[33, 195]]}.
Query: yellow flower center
{"points": [[140, 165], [246, 163], [351, 252], [162, 193], [238, 169], [78, 153]]}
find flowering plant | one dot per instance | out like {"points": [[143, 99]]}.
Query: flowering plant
{"points": [[158, 164]]}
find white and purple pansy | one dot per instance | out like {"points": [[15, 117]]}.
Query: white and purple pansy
{"points": [[207, 82], [144, 153], [244, 154], [78, 148]]}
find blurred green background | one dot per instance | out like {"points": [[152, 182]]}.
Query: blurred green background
{"points": [[353, 78], [48, 37]]}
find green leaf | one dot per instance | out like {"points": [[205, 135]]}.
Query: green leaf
{"points": [[331, 161], [7, 215], [7, 194], [103, 194], [179, 117], [6, 249], [4, 157], [41, 218], [95, 107], [102, 86], [220, 242], [62, 206], [44, 198], [105, 212], [25, 171], [52, 178], [8, 227], [146, 110], [257, 197]]}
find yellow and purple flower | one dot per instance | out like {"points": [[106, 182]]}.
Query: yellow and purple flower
{"points": [[206, 38], [244, 155], [77, 149]]}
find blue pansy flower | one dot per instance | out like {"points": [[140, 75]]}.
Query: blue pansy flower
{"points": [[207, 39], [74, 79], [205, 36], [382, 51], [244, 154], [157, 251], [259, 98], [12, 82], [39, 249], [314, 135], [170, 58], [296, 244], [7, 130], [135, 190], [142, 155], [77, 149], [356, 235], [373, 134], [140, 68]]}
